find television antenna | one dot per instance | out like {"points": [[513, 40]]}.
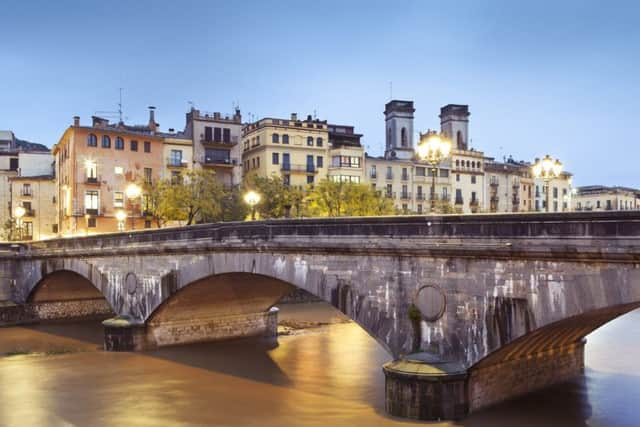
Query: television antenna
{"points": [[113, 114]]}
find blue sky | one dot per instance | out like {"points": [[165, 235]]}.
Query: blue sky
{"points": [[558, 77]]}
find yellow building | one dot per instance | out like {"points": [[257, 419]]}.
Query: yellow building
{"points": [[37, 195], [295, 150], [177, 154]]}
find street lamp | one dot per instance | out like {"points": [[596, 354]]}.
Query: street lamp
{"points": [[132, 191], [19, 213], [252, 199], [433, 148], [547, 169], [121, 216]]}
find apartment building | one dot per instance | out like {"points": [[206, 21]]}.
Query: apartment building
{"points": [[216, 144], [37, 195], [603, 198], [508, 186], [346, 155], [293, 149], [177, 155], [95, 165], [559, 194]]}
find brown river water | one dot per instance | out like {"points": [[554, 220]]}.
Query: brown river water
{"points": [[327, 375]]}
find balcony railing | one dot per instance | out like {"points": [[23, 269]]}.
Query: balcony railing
{"points": [[92, 180], [172, 162], [233, 141], [405, 195], [389, 176], [26, 193], [288, 167], [405, 177], [373, 175], [390, 195], [459, 201], [30, 212], [206, 160], [91, 212]]}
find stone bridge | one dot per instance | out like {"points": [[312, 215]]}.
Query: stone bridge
{"points": [[474, 309]]}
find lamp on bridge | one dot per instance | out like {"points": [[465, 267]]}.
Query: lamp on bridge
{"points": [[547, 169], [121, 216], [252, 199], [433, 149], [19, 212], [133, 191]]}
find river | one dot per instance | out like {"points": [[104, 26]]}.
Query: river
{"points": [[328, 374]]}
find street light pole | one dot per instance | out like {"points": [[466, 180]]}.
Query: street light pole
{"points": [[252, 199], [433, 148], [547, 169]]}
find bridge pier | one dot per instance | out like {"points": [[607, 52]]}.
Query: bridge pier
{"points": [[122, 334], [421, 387]]}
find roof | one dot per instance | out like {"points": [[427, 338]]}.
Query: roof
{"points": [[6, 135], [32, 178]]}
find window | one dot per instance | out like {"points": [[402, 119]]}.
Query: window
{"points": [[459, 141], [175, 158], [217, 155], [207, 133], [91, 169], [147, 223], [389, 172], [473, 179], [226, 135], [91, 202], [118, 199], [459, 200], [147, 175], [106, 141], [445, 193], [26, 190], [13, 164], [134, 145], [147, 147], [217, 134], [473, 197], [118, 170], [444, 173], [555, 192], [286, 165], [286, 179], [275, 138], [119, 143], [92, 222], [310, 141], [28, 230], [405, 208], [176, 178], [92, 141], [420, 171], [598, 204], [389, 190], [285, 139], [318, 142], [403, 137], [373, 172], [405, 174], [275, 158], [309, 179], [457, 177], [54, 228], [310, 167], [319, 162], [419, 209]]}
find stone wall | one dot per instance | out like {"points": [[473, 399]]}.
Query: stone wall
{"points": [[195, 330], [97, 308], [495, 383]]}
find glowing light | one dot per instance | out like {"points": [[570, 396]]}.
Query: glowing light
{"points": [[19, 212], [252, 198], [133, 191], [121, 216]]}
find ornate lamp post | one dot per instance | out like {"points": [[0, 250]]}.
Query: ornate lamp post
{"points": [[19, 213], [547, 169], [121, 216], [133, 191], [252, 199], [433, 149]]}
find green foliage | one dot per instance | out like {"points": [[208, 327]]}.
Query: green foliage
{"points": [[9, 230], [277, 200], [414, 313], [334, 199], [233, 206]]}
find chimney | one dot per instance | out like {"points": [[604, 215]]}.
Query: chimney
{"points": [[76, 121], [152, 119], [309, 117], [237, 116], [216, 116], [294, 117]]}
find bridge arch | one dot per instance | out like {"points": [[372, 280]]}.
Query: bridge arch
{"points": [[241, 284], [555, 349]]}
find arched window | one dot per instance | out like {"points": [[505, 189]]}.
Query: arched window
{"points": [[310, 141], [473, 164], [319, 142], [119, 143], [92, 141], [403, 137], [459, 140], [389, 135], [457, 162], [285, 139], [275, 138], [468, 163], [106, 141]]}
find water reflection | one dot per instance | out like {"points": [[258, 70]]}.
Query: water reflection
{"points": [[325, 376]]}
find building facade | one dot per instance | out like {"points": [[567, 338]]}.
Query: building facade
{"points": [[295, 150], [37, 195], [216, 144], [177, 155], [95, 165], [603, 198]]}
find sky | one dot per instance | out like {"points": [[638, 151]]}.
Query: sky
{"points": [[556, 77]]}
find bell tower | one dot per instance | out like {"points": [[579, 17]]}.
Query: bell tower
{"points": [[398, 116], [454, 122]]}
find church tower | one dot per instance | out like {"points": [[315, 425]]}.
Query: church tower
{"points": [[454, 122], [398, 117]]}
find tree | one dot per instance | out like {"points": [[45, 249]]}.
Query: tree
{"points": [[331, 198], [233, 206], [275, 197]]}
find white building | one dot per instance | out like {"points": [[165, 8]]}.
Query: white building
{"points": [[602, 198]]}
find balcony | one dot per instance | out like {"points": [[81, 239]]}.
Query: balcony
{"points": [[459, 201], [420, 196], [405, 177], [218, 143], [92, 180], [494, 199], [389, 176], [515, 201], [26, 192], [30, 212], [390, 195], [494, 183], [405, 195], [93, 212], [308, 169], [214, 162], [176, 163], [373, 175], [474, 203]]}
